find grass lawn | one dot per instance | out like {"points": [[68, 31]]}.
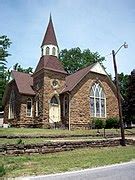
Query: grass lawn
{"points": [[65, 161], [42, 140], [37, 131]]}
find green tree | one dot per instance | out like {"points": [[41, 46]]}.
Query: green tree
{"points": [[18, 67], [75, 59], [4, 45], [124, 81], [131, 98]]}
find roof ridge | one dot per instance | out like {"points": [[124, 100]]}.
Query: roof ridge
{"points": [[21, 72], [90, 66], [76, 78]]}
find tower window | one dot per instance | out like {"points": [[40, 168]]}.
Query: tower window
{"points": [[53, 51], [47, 50], [42, 52]]}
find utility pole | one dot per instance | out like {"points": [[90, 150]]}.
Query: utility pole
{"points": [[122, 142]]}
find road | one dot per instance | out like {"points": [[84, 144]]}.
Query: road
{"points": [[125, 171]]}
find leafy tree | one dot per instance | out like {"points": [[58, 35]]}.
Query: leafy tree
{"points": [[4, 45], [123, 80], [75, 59], [18, 67], [123, 84], [131, 98]]}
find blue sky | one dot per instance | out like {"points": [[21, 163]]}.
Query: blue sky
{"points": [[100, 25]]}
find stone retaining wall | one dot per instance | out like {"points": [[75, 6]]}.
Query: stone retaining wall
{"points": [[57, 136], [52, 147]]}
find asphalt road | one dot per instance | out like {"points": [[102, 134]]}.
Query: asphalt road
{"points": [[125, 171]]}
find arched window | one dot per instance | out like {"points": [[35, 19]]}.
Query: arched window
{"points": [[53, 51], [54, 101], [11, 105], [97, 101], [29, 107], [37, 106], [65, 106], [47, 50]]}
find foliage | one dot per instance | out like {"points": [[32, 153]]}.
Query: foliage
{"points": [[18, 67], [75, 59], [2, 171], [131, 97], [123, 83], [4, 45], [127, 88], [97, 123], [112, 122]]}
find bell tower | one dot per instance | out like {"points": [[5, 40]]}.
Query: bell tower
{"points": [[49, 45]]}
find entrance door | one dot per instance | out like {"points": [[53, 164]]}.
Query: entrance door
{"points": [[54, 110]]}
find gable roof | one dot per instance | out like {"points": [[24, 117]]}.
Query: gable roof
{"points": [[73, 79], [24, 82], [51, 63], [50, 37]]}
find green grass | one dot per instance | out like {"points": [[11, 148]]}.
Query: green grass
{"points": [[42, 140], [37, 131], [65, 161]]}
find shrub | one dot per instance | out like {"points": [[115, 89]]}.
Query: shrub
{"points": [[2, 171], [112, 123], [98, 123]]}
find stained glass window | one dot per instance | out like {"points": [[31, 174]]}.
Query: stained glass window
{"points": [[11, 105], [97, 101]]}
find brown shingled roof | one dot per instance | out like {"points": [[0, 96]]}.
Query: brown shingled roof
{"points": [[73, 79], [24, 82], [51, 63], [50, 37]]}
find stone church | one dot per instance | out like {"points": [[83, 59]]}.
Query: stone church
{"points": [[50, 96]]}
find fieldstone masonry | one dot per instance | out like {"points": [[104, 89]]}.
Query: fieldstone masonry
{"points": [[52, 147], [39, 85]]}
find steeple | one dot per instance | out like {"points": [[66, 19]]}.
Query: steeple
{"points": [[49, 45], [49, 52]]}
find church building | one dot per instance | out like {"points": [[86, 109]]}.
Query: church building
{"points": [[51, 97]]}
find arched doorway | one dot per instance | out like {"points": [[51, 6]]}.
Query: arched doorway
{"points": [[54, 109]]}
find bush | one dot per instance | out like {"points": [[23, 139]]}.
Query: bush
{"points": [[2, 171], [98, 123], [112, 123]]}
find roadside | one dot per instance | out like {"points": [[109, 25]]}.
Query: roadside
{"points": [[124, 171], [38, 164]]}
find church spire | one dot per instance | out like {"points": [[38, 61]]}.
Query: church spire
{"points": [[50, 38]]}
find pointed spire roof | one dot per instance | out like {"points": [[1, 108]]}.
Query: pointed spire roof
{"points": [[50, 37]]}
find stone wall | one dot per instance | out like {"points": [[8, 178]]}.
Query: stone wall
{"points": [[50, 91], [52, 147], [16, 119], [80, 100], [38, 86]]}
